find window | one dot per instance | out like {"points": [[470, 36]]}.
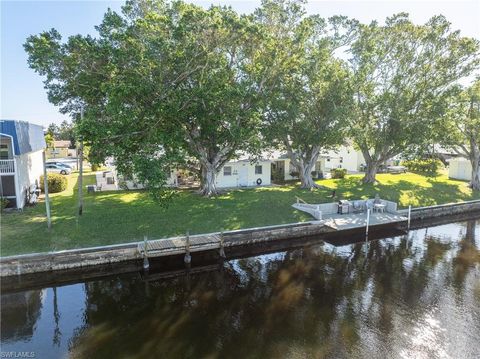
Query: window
{"points": [[341, 159], [258, 170], [3, 152], [227, 170]]}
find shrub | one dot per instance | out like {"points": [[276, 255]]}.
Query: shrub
{"points": [[3, 203], [95, 167], [56, 183], [338, 172], [428, 166]]}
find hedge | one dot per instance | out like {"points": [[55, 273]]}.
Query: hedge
{"points": [[428, 166], [338, 172], [56, 183]]}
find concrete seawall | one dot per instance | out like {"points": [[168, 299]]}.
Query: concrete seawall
{"points": [[448, 209], [128, 254], [114, 254]]}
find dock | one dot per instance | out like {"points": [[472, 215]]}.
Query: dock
{"points": [[177, 245], [359, 220], [222, 240], [228, 239]]}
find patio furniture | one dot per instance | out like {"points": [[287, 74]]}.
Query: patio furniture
{"points": [[379, 207], [358, 206], [343, 207]]}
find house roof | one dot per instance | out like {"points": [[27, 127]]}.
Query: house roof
{"points": [[61, 144], [26, 136]]}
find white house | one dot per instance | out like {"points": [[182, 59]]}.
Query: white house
{"points": [[239, 173], [344, 157], [21, 163], [243, 173], [460, 168]]}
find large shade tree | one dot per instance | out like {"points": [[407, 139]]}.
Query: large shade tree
{"points": [[401, 71], [461, 130], [308, 102], [162, 82]]}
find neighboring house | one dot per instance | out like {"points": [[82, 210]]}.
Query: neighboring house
{"points": [[445, 154], [125, 182], [21, 163], [60, 149], [460, 168], [243, 173], [345, 157]]}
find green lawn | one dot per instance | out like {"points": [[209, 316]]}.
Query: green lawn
{"points": [[126, 216]]}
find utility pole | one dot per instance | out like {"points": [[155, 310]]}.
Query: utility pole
{"points": [[80, 170], [45, 190]]}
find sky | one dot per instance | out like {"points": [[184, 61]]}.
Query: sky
{"points": [[24, 98]]}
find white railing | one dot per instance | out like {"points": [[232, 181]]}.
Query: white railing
{"points": [[7, 166]]}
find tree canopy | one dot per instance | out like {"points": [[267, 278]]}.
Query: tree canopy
{"points": [[163, 82], [65, 132], [169, 83], [307, 105], [460, 129], [400, 73]]}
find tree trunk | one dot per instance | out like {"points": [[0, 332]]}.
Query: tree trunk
{"points": [[475, 182], [370, 172], [207, 180], [305, 174], [304, 165]]}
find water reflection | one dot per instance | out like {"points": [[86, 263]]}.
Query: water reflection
{"points": [[20, 312], [416, 295]]}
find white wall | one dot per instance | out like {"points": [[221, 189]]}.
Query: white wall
{"points": [[289, 168], [460, 168], [243, 174], [345, 157], [133, 184], [29, 168]]}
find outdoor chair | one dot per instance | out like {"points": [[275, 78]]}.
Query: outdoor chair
{"points": [[358, 206], [369, 204]]}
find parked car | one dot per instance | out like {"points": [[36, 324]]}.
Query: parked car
{"points": [[58, 163], [54, 168]]}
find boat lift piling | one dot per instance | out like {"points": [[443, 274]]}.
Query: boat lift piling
{"points": [[221, 250], [409, 216], [146, 264], [368, 223], [188, 258]]}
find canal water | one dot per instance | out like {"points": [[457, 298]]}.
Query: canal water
{"points": [[411, 296]]}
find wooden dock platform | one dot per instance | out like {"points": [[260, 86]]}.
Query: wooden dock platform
{"points": [[172, 246], [215, 241]]}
